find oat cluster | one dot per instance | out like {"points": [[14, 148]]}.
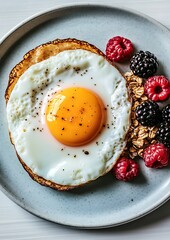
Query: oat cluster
{"points": [[139, 137]]}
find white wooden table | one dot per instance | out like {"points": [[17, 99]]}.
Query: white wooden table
{"points": [[16, 223]]}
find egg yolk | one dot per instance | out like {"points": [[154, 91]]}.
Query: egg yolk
{"points": [[75, 116]]}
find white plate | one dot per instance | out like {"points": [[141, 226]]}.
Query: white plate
{"points": [[105, 202]]}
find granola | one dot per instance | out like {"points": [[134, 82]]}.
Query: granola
{"points": [[139, 137]]}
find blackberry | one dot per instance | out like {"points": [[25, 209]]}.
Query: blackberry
{"points": [[166, 113], [163, 134], [148, 113], [144, 64]]}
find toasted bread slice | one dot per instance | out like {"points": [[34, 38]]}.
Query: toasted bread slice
{"points": [[34, 56]]}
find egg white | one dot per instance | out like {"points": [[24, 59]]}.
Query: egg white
{"points": [[33, 141]]}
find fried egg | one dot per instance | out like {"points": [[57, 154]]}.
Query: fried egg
{"points": [[68, 117]]}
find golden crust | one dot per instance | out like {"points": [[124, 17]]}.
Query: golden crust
{"points": [[34, 56]]}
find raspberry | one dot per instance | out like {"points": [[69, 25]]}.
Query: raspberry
{"points": [[126, 169], [144, 64], [119, 49], [157, 88], [156, 156]]}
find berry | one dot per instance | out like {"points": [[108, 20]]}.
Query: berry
{"points": [[144, 64], [163, 134], [156, 156], [166, 113], [126, 169], [119, 49], [148, 113], [157, 88]]}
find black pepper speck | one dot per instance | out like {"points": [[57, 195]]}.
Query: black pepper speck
{"points": [[86, 152]]}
